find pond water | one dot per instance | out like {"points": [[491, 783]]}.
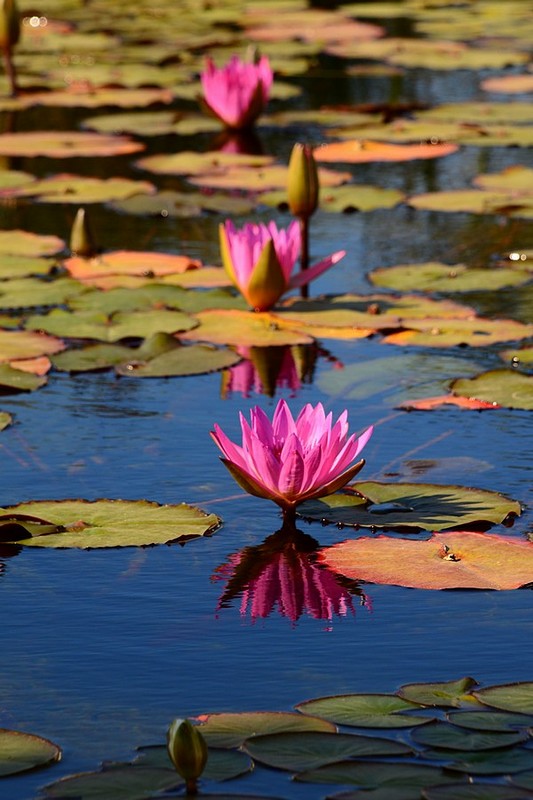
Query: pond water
{"points": [[101, 649]]}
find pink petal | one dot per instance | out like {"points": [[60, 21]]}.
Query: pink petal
{"points": [[301, 278]]}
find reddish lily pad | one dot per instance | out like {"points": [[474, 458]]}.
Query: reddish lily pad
{"points": [[25, 243], [455, 560], [506, 387], [114, 523], [20, 752], [361, 151], [422, 506], [126, 262], [509, 84], [429, 403], [58, 144], [25, 344]]}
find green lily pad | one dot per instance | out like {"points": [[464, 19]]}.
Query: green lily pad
{"points": [[80, 189], [180, 361], [476, 112], [514, 697], [517, 178], [16, 380], [5, 420], [474, 332], [525, 780], [85, 96], [232, 729], [421, 506], [222, 765], [92, 358], [472, 791], [439, 734], [476, 201], [21, 751], [484, 762], [13, 179], [33, 292], [308, 750], [189, 162], [369, 775], [24, 243], [506, 387], [345, 199], [246, 328], [25, 344], [522, 357], [183, 204], [365, 710], [12, 266], [437, 277], [122, 325], [154, 295], [65, 144], [126, 783], [450, 693], [142, 123], [490, 720], [115, 523]]}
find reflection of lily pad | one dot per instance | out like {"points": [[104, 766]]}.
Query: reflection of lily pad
{"points": [[454, 560], [20, 752], [506, 387], [115, 523], [422, 506]]}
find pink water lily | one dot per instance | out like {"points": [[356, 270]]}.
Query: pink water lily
{"points": [[260, 259], [238, 92], [290, 460]]}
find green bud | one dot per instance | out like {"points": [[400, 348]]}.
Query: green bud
{"points": [[302, 185], [187, 749], [81, 238], [9, 24]]}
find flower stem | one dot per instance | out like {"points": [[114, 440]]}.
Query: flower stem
{"points": [[289, 517], [10, 71], [304, 254], [191, 786]]}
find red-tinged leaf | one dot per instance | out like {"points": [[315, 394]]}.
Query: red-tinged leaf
{"points": [[456, 560], [429, 403], [125, 262], [360, 151], [509, 84], [37, 366]]}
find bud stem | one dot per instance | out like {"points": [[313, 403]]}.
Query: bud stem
{"points": [[191, 786], [10, 71], [304, 252]]}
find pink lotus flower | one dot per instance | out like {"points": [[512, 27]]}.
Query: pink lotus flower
{"points": [[238, 92], [260, 259], [289, 461]]}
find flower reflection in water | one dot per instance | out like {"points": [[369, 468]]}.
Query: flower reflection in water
{"points": [[282, 573], [8, 550]]}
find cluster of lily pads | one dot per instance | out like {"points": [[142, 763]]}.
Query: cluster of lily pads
{"points": [[453, 740]]}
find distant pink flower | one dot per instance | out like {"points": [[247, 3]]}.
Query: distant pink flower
{"points": [[260, 259], [289, 461], [238, 92]]}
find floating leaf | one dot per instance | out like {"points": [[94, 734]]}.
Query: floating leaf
{"points": [[308, 750], [183, 204], [88, 325], [115, 523], [514, 697], [475, 112], [429, 403], [33, 292], [180, 361], [16, 380], [5, 420], [484, 762], [26, 344], [525, 780], [153, 296], [472, 791], [450, 693], [231, 730], [24, 243], [119, 783], [65, 144], [368, 775], [212, 163], [246, 328], [361, 151], [522, 357], [85, 96], [474, 332], [13, 266], [516, 178], [222, 765], [509, 84], [506, 387], [490, 720], [475, 201], [262, 178], [20, 752], [422, 506], [92, 358], [345, 199], [126, 262], [365, 710], [78, 189], [456, 560], [437, 277], [439, 734]]}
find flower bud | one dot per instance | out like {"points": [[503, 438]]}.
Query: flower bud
{"points": [[81, 238], [302, 185], [9, 24], [187, 749]]}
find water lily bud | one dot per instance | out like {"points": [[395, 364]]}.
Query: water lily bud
{"points": [[81, 238], [9, 24], [187, 749], [303, 185]]}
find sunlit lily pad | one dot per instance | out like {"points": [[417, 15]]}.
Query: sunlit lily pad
{"points": [[115, 523], [422, 506], [79, 189], [180, 361], [522, 356], [129, 262], [151, 123], [484, 113], [61, 144], [13, 179], [5, 420], [154, 295], [475, 332], [183, 204], [232, 729], [247, 328], [93, 358], [16, 380], [20, 752], [436, 277], [361, 151], [33, 292], [260, 179], [442, 695], [13, 266], [514, 697], [189, 162], [517, 178], [25, 243], [476, 201], [307, 750], [85, 95], [365, 710], [24, 344], [455, 560], [345, 199], [509, 84], [90, 325], [506, 387]]}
